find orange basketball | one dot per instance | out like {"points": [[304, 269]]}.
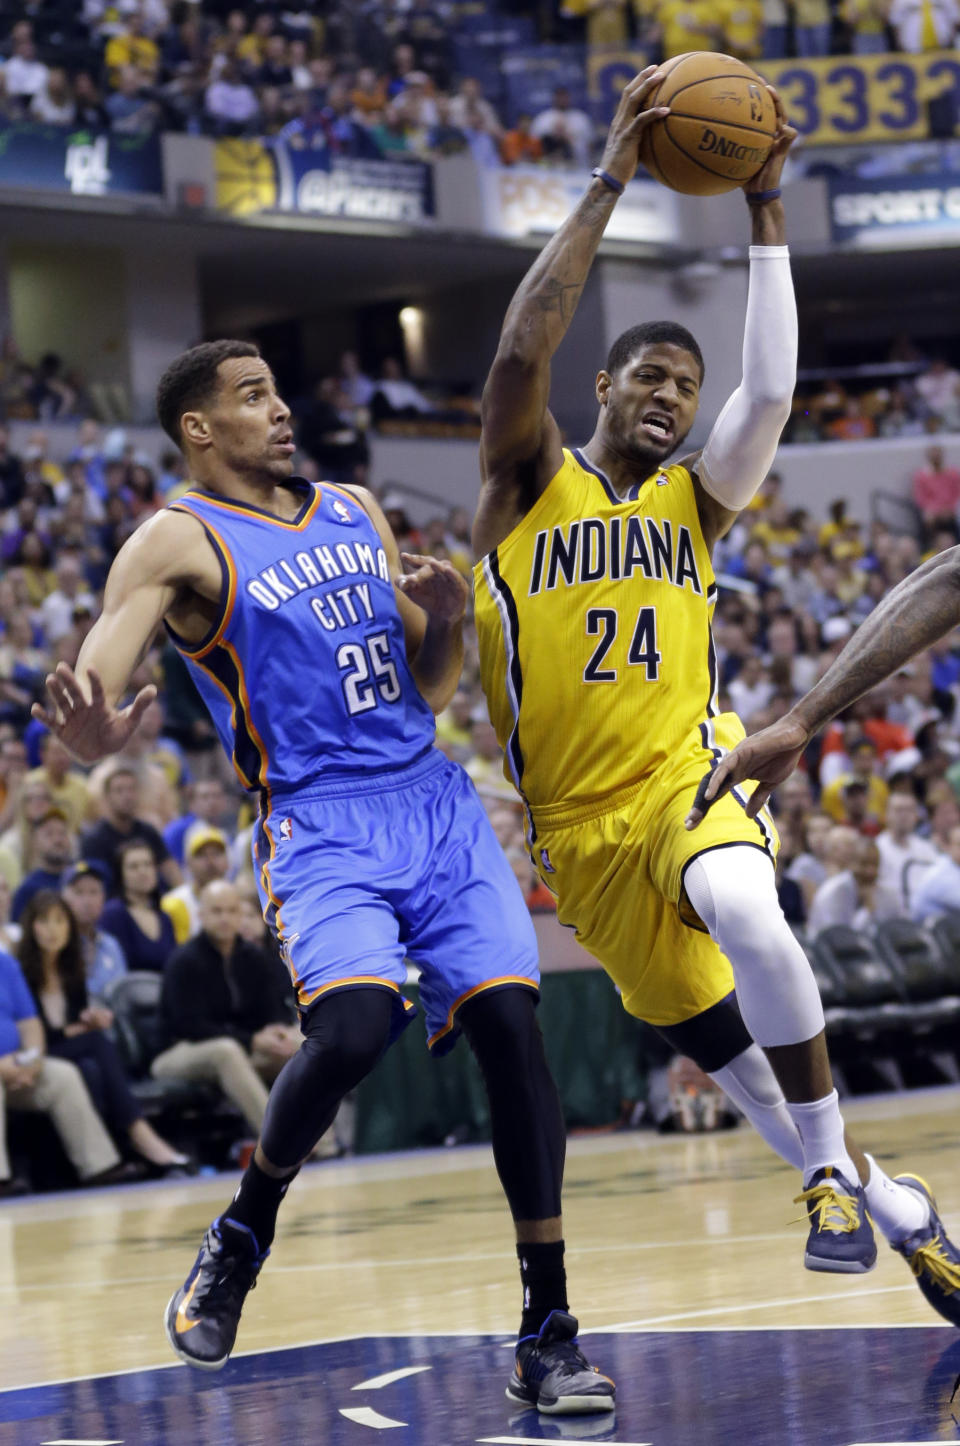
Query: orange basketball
{"points": [[720, 127]]}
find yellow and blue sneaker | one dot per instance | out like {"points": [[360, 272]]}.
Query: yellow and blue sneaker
{"points": [[202, 1317], [552, 1373], [932, 1255], [841, 1234]]}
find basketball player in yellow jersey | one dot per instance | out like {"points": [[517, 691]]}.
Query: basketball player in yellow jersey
{"points": [[594, 597]]}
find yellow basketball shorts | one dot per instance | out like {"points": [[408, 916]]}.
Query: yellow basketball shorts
{"points": [[617, 870]]}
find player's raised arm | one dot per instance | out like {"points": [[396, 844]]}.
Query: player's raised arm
{"points": [[520, 449], [143, 584], [918, 611], [744, 440]]}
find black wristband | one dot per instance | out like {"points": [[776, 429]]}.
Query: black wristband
{"points": [[609, 180], [760, 198]]}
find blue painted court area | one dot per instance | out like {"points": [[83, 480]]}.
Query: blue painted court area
{"points": [[723, 1388]]}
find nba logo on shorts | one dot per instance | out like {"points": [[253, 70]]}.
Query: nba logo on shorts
{"points": [[286, 828], [343, 512]]}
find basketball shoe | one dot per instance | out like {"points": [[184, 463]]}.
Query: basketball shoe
{"points": [[202, 1316], [841, 1234], [932, 1256], [553, 1374]]}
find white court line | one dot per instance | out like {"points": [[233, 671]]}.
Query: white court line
{"points": [[366, 1416], [647, 1322], [628, 1327], [80, 1443], [412, 1262], [376, 1383], [525, 1441]]}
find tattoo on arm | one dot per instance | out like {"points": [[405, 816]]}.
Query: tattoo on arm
{"points": [[918, 612]]}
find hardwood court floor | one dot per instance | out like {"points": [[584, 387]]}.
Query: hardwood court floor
{"points": [[670, 1233]]}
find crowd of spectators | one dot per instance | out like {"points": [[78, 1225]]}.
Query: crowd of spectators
{"points": [[765, 29], [385, 78], [143, 862], [922, 400]]}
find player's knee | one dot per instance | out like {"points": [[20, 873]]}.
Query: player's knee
{"points": [[501, 1026], [347, 1033]]}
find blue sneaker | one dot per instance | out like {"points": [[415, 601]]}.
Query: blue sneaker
{"points": [[841, 1234], [202, 1317], [932, 1256], [553, 1374]]}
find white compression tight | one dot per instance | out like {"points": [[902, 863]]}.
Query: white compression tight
{"points": [[734, 892], [752, 1085]]}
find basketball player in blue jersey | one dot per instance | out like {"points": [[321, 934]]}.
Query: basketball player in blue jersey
{"points": [[322, 665], [591, 555]]}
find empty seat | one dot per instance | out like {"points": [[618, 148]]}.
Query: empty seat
{"points": [[918, 958], [864, 977]]}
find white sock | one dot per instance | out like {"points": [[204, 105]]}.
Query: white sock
{"points": [[749, 1081], [896, 1211], [820, 1126]]}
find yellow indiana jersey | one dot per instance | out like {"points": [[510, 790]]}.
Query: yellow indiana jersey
{"points": [[593, 620]]}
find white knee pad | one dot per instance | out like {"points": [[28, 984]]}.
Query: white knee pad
{"points": [[734, 892]]}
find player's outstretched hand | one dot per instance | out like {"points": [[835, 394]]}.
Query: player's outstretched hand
{"points": [[621, 154], [435, 586], [768, 177], [769, 756], [89, 727]]}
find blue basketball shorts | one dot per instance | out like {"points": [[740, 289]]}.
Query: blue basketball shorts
{"points": [[357, 876]]}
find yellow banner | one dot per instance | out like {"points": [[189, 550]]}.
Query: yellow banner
{"points": [[849, 99]]}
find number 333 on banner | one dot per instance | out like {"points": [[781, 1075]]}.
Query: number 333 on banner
{"points": [[844, 100]]}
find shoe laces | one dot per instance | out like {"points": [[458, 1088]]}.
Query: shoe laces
{"points": [[231, 1277], [564, 1357], [832, 1210], [932, 1260]]}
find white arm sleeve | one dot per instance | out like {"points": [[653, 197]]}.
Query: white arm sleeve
{"points": [[744, 439]]}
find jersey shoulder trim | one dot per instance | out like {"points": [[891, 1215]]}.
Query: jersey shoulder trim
{"points": [[546, 499], [309, 506], [228, 592]]}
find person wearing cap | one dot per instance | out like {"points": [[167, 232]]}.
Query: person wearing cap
{"points": [[84, 888], [207, 858], [53, 849]]}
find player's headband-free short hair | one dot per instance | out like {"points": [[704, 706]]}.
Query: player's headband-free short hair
{"points": [[191, 380], [653, 333]]}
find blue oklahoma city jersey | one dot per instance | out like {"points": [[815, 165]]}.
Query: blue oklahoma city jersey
{"points": [[305, 672]]}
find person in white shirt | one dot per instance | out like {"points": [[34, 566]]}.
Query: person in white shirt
{"points": [[937, 386], [751, 690], [71, 592], [230, 100], [400, 396], [54, 104], [470, 110], [809, 868], [24, 76], [856, 896], [904, 858], [564, 130], [939, 889], [924, 24]]}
